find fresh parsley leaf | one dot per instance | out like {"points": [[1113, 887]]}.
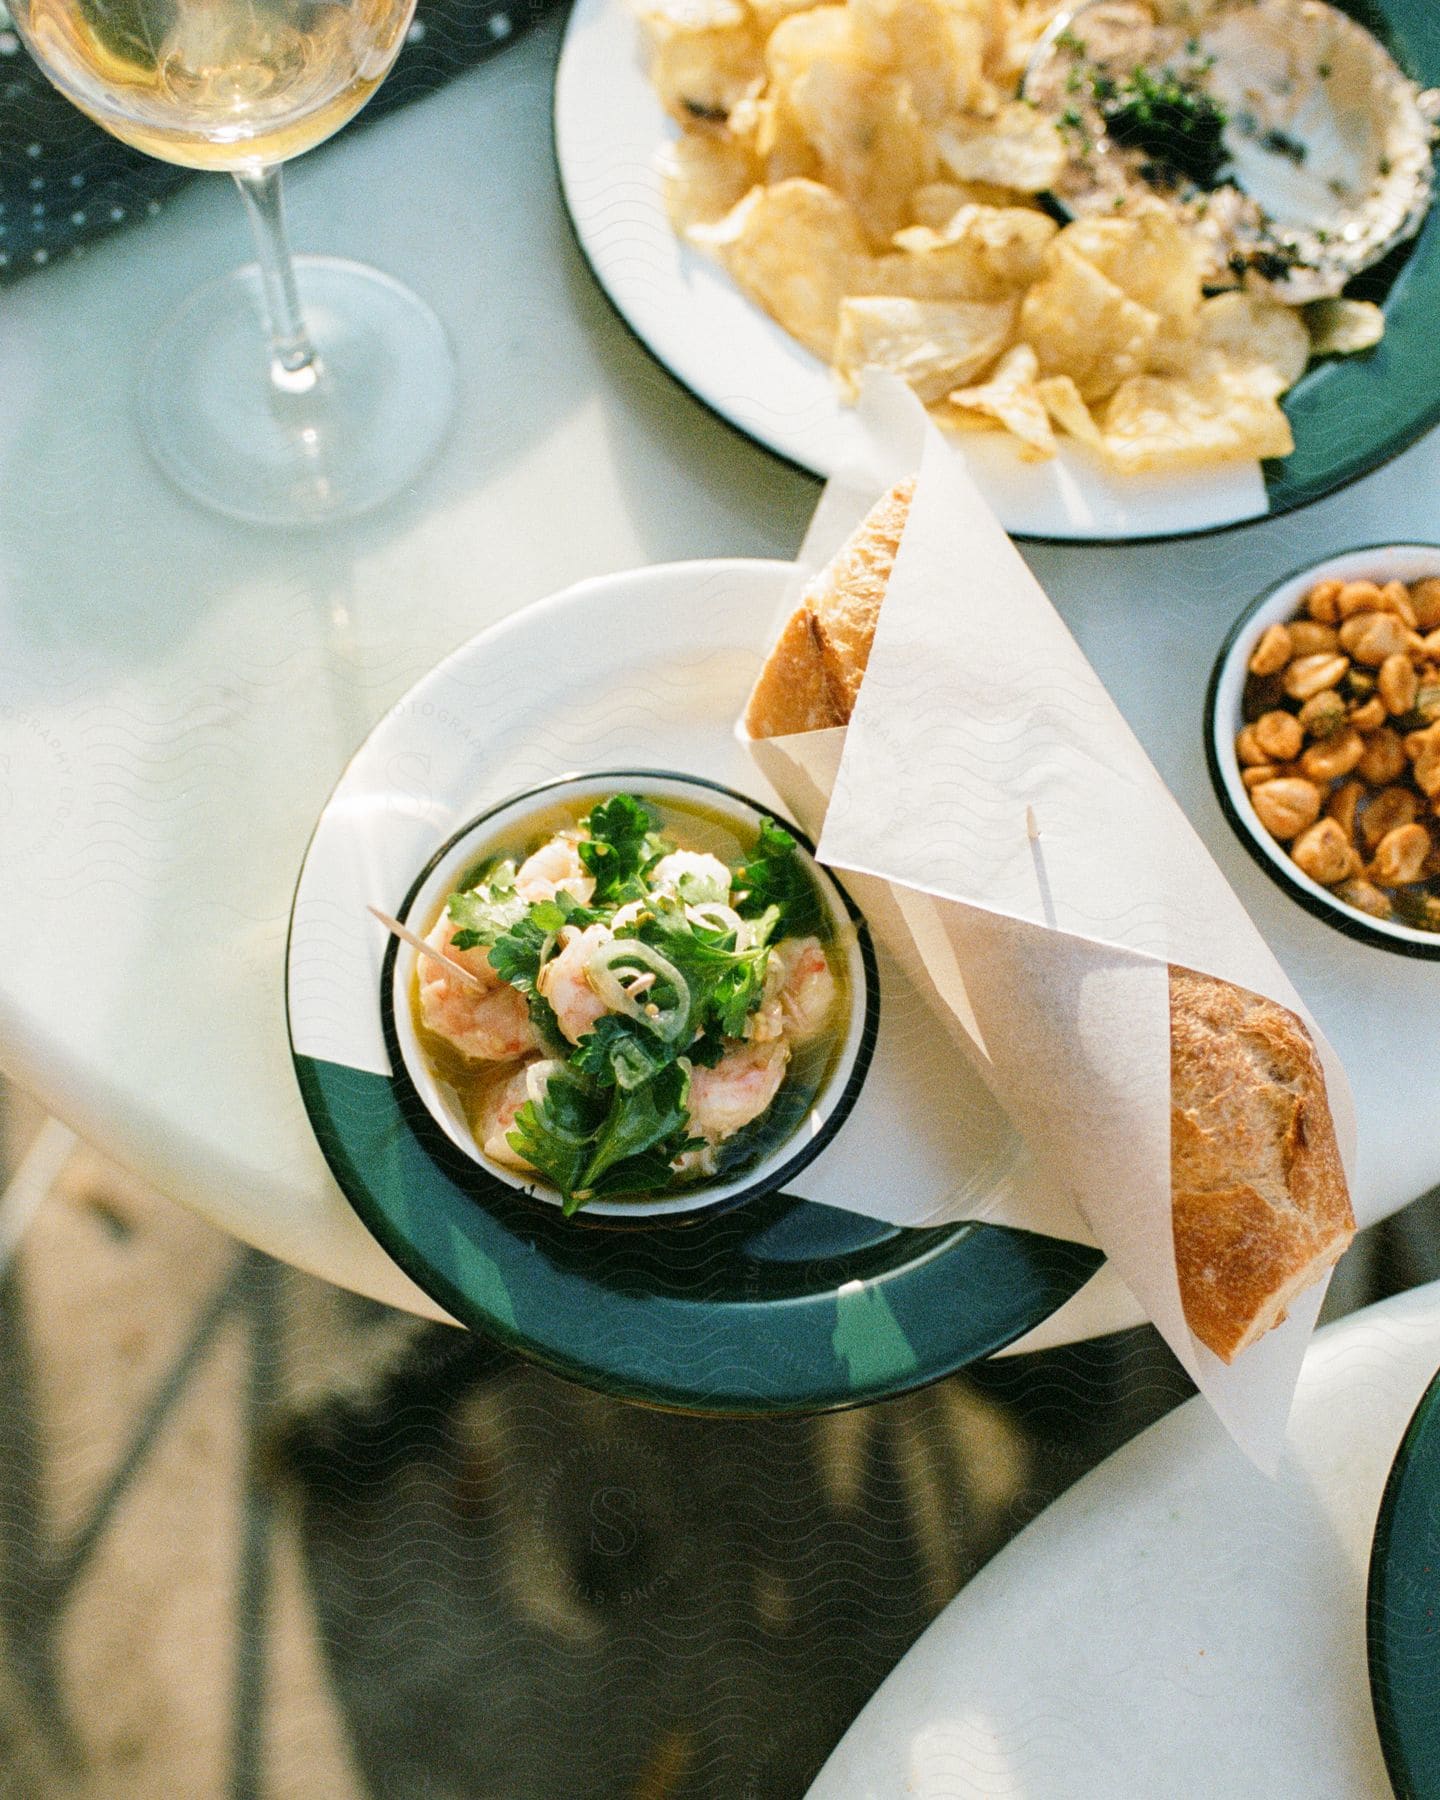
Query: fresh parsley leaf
{"points": [[621, 1052], [484, 912], [774, 876], [725, 984], [697, 889], [556, 1133], [585, 1139], [650, 1117], [515, 955], [617, 848], [707, 1049]]}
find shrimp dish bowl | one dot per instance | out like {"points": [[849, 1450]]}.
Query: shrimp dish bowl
{"points": [[639, 995]]}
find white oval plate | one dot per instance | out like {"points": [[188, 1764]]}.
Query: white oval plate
{"points": [[647, 669], [687, 311]]}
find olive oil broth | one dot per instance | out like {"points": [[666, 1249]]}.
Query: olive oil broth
{"points": [[687, 826]]}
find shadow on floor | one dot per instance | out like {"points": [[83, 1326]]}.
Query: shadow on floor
{"points": [[262, 1539]]}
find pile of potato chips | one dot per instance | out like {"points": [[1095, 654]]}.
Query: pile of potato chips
{"points": [[865, 173]]}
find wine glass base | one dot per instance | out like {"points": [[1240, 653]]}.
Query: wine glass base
{"points": [[228, 436]]}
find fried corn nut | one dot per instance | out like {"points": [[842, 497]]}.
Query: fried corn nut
{"points": [[1333, 756], [1272, 652], [1311, 675], [1384, 758], [1324, 853], [1392, 806], [1400, 855], [1279, 736], [1286, 805], [1397, 683]]}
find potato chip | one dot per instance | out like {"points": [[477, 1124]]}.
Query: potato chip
{"points": [[769, 13], [701, 76], [873, 146], [1020, 26], [1061, 399], [777, 139], [935, 204], [1250, 328], [1343, 327], [702, 175], [1082, 325], [937, 46], [818, 34], [1010, 396], [1018, 147], [793, 248], [1147, 254], [934, 345], [1156, 422], [983, 253], [677, 18]]}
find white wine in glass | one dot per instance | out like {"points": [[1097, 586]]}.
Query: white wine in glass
{"points": [[355, 389]]}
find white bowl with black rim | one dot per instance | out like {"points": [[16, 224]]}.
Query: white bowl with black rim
{"points": [[1224, 716], [436, 1104]]}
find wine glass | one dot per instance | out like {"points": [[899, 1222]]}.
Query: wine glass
{"points": [[357, 389]]}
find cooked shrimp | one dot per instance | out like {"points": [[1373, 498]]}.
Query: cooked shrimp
{"points": [[503, 1099], [799, 992], [492, 1026], [553, 866], [807, 991], [738, 1089], [563, 982], [706, 876]]}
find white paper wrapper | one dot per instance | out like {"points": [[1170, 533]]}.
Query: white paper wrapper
{"points": [[980, 721]]}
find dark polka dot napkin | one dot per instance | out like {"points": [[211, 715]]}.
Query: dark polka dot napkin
{"points": [[64, 182]]}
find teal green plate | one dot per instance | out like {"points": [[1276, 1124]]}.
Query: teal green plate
{"points": [[1351, 414], [1403, 1613], [781, 1304]]}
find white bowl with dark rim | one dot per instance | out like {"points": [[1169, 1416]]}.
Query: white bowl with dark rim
{"points": [[507, 821], [1224, 716]]}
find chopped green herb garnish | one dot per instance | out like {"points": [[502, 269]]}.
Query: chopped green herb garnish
{"points": [[773, 877], [671, 979], [725, 982], [1280, 143], [515, 957], [1172, 120], [618, 847]]}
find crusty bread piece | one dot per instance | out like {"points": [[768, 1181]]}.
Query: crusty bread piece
{"points": [[1261, 1208], [792, 693], [1260, 1204], [812, 677]]}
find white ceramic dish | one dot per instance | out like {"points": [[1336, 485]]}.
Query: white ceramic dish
{"points": [[1224, 717], [507, 823]]}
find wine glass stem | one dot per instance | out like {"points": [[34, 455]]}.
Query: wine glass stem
{"points": [[294, 365]]}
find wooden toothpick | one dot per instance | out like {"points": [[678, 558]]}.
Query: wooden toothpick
{"points": [[406, 936], [1032, 829]]}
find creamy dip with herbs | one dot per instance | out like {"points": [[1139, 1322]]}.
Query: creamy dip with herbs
{"points": [[1281, 130]]}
